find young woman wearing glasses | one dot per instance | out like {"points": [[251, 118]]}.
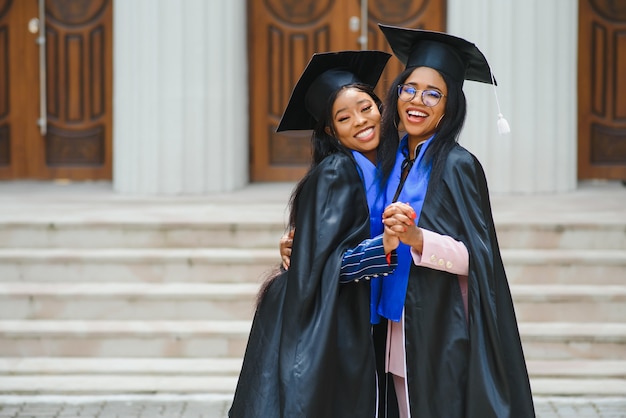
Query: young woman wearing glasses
{"points": [[446, 325]]}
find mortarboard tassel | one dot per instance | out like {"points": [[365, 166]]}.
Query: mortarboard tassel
{"points": [[503, 124]]}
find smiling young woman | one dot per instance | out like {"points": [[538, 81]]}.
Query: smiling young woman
{"points": [[450, 341], [310, 352], [356, 122], [421, 104]]}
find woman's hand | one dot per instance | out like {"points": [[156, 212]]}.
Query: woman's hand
{"points": [[390, 240], [399, 221], [286, 242]]}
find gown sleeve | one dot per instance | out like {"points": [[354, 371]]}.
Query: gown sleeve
{"points": [[366, 260]]}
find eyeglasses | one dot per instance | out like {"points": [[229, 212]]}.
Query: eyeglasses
{"points": [[430, 98]]}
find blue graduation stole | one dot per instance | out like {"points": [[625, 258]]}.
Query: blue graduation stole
{"points": [[375, 199], [388, 294]]}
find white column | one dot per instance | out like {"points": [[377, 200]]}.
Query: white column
{"points": [[532, 48], [180, 96]]}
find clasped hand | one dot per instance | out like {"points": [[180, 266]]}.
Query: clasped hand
{"points": [[399, 223], [399, 226]]}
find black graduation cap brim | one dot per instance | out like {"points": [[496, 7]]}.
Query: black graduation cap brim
{"points": [[452, 55], [341, 68]]}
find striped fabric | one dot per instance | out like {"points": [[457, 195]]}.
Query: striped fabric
{"points": [[365, 261]]}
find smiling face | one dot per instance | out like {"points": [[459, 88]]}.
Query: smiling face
{"points": [[420, 121], [356, 121]]}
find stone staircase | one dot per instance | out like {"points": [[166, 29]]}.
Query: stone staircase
{"points": [[140, 296]]}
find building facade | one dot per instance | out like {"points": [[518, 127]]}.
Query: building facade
{"points": [[182, 126], [183, 112]]}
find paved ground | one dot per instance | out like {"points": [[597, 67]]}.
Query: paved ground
{"points": [[207, 406]]}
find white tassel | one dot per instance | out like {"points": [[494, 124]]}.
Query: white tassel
{"points": [[503, 125]]}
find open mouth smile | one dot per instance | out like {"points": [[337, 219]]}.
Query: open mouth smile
{"points": [[365, 133]]}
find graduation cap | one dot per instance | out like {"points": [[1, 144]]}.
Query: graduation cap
{"points": [[451, 55], [324, 74], [457, 57]]}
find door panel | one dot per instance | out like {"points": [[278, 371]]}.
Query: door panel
{"points": [[4, 85], [19, 100], [78, 84], [79, 80], [282, 36], [602, 90]]}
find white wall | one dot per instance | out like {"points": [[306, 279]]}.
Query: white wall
{"points": [[532, 48], [180, 96]]}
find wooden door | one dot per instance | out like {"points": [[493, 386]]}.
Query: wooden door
{"points": [[282, 36], [602, 90], [77, 80]]}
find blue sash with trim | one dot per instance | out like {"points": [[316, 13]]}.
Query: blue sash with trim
{"points": [[388, 293], [375, 199]]}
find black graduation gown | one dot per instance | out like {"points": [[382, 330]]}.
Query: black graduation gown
{"points": [[310, 351], [455, 369]]}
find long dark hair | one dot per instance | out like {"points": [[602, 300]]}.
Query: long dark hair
{"points": [[447, 132], [324, 144]]}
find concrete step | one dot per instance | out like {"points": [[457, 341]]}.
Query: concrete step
{"points": [[116, 384], [219, 375], [560, 266], [131, 301], [199, 339], [573, 234], [227, 366], [226, 301], [136, 384], [137, 265], [573, 341], [190, 339], [250, 265], [578, 387], [239, 226], [569, 303], [243, 233], [570, 369], [10, 366]]}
